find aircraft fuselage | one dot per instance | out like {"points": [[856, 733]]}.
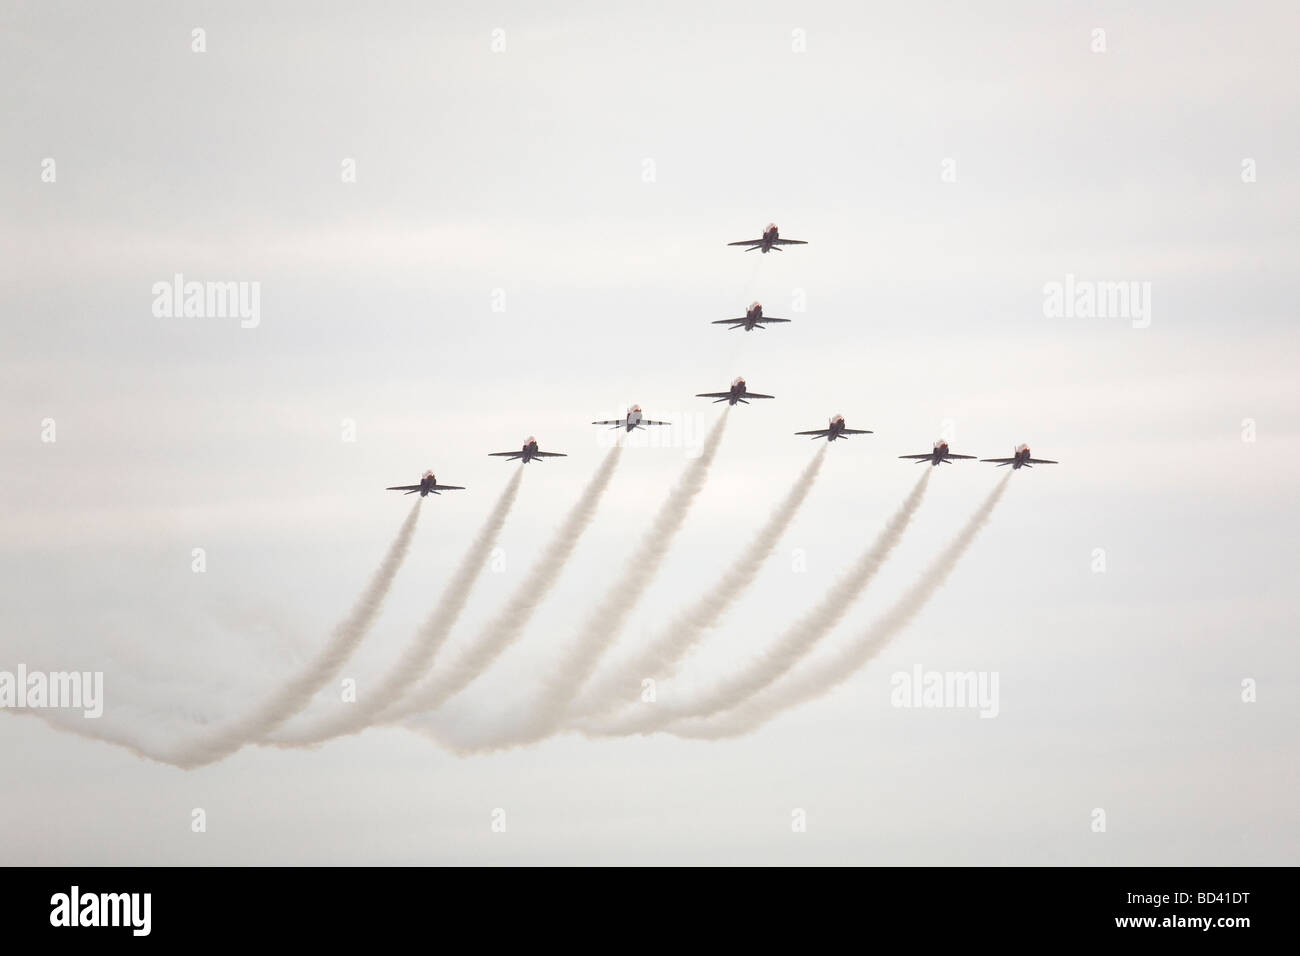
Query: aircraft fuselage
{"points": [[939, 454]]}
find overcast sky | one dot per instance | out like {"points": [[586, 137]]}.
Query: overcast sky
{"points": [[944, 164]]}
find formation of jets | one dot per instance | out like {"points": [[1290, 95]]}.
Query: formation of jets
{"points": [[738, 393]]}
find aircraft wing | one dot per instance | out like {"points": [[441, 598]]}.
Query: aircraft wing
{"points": [[1041, 461], [789, 242], [447, 488], [645, 421], [856, 431], [816, 433], [756, 395], [999, 461], [917, 457], [505, 454], [549, 454], [729, 321], [747, 242], [713, 395], [407, 488], [959, 456], [621, 421], [768, 318]]}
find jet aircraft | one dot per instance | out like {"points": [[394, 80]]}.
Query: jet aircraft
{"points": [[771, 239], [528, 453], [737, 393], [940, 456], [835, 430], [1021, 459], [428, 486], [633, 419], [754, 319]]}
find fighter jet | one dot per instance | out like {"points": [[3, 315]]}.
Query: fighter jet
{"points": [[738, 393], [1021, 459], [771, 240], [753, 319], [632, 420], [940, 455], [528, 453], [428, 486], [836, 430]]}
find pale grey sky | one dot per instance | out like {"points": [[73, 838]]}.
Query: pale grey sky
{"points": [[523, 171]]}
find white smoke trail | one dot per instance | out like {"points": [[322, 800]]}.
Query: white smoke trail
{"points": [[419, 655], [665, 651], [291, 698], [818, 680], [798, 640], [79, 727], [297, 694], [509, 624], [603, 625]]}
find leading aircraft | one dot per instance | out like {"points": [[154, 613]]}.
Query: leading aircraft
{"points": [[835, 430], [940, 455], [770, 240], [1021, 459], [428, 486], [737, 393], [633, 419], [753, 319], [528, 453]]}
